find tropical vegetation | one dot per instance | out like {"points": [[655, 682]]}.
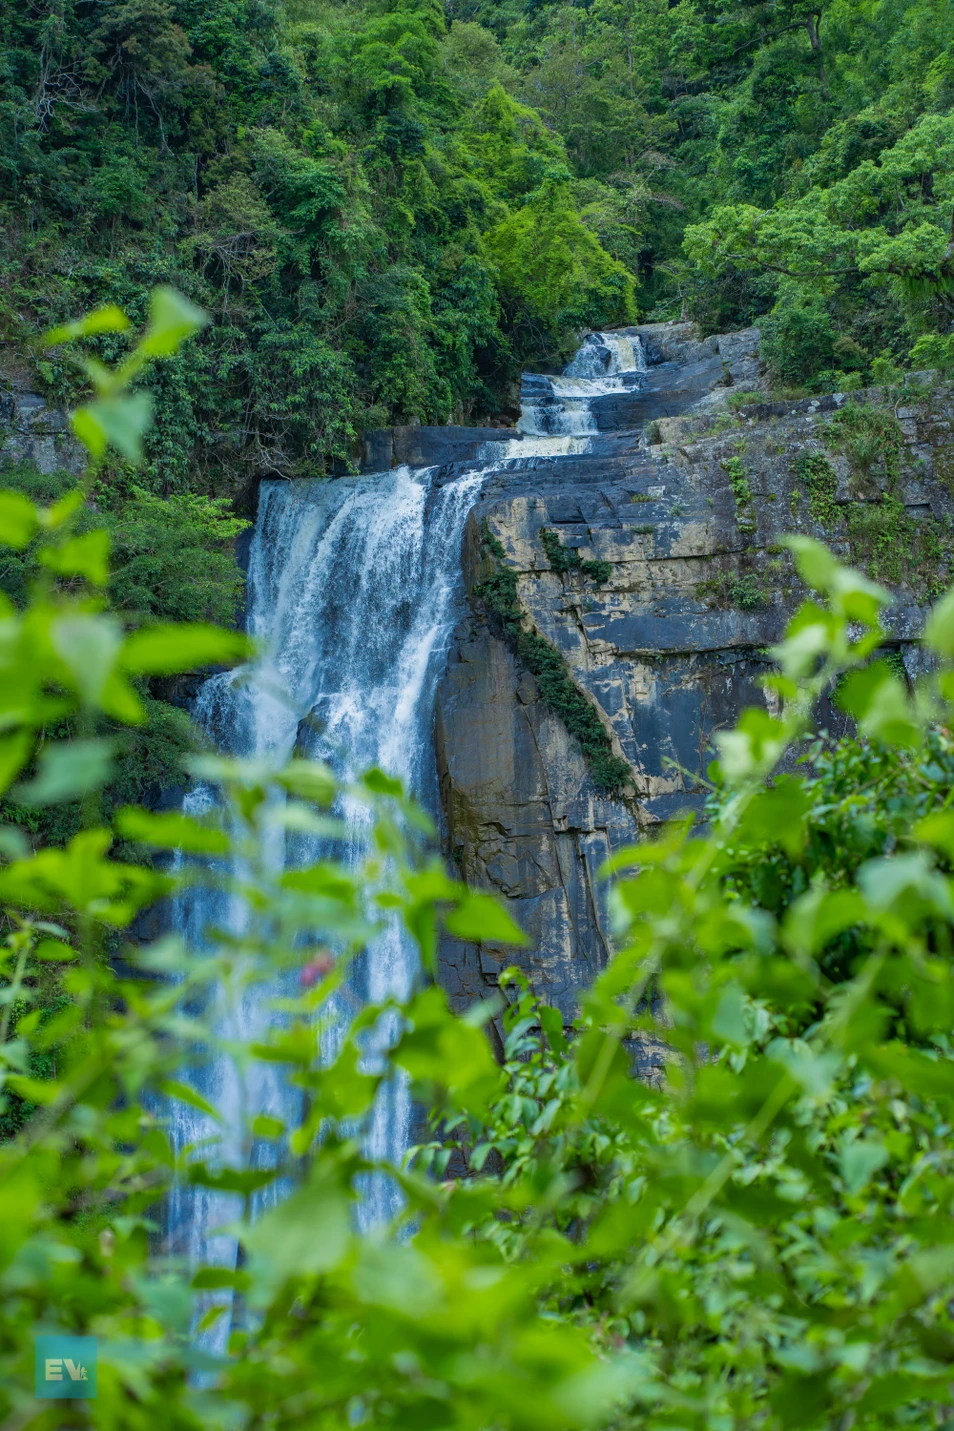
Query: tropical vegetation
{"points": [[757, 1234], [388, 206], [721, 1200]]}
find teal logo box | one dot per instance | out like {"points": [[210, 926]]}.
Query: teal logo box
{"points": [[65, 1367]]}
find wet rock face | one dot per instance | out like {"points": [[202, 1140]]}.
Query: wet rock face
{"points": [[688, 512], [424, 446]]}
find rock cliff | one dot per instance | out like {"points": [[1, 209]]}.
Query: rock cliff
{"points": [[34, 433], [653, 564]]}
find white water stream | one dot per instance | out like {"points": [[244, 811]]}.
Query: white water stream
{"points": [[353, 591]]}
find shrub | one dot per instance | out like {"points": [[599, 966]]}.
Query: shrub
{"points": [[564, 559], [797, 343]]}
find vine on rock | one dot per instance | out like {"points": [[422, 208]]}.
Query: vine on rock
{"points": [[542, 659], [564, 559]]}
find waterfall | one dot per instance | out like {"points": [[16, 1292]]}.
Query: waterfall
{"points": [[352, 593], [566, 406]]}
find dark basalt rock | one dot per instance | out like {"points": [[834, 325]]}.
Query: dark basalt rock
{"points": [[36, 434], [388, 447], [669, 649]]}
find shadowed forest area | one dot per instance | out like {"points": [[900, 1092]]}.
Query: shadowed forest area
{"points": [[388, 208]]}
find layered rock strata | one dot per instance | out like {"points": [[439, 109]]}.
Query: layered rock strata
{"points": [[687, 512]]}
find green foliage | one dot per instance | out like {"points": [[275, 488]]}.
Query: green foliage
{"points": [[171, 558], [565, 559], [158, 560], [757, 1234], [873, 442], [933, 351], [745, 590], [325, 183], [554, 271], [830, 264], [796, 342], [386, 213], [745, 519], [801, 153], [862, 800], [818, 475], [498, 591], [737, 400]]}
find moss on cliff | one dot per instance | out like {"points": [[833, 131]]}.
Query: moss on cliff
{"points": [[886, 540], [565, 559], [500, 596]]}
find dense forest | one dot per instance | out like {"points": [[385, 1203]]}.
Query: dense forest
{"points": [[389, 206], [256, 1155]]}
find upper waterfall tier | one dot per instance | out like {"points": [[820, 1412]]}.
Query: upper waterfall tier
{"points": [[568, 405]]}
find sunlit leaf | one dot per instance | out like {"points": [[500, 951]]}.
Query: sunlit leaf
{"points": [[166, 650], [172, 319], [121, 422], [939, 627], [14, 754], [309, 780], [310, 1232], [171, 830], [238, 1180], [19, 520], [480, 917], [860, 1159], [173, 1088], [68, 770], [89, 648], [87, 556], [107, 319]]}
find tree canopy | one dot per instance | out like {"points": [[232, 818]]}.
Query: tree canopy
{"points": [[389, 206]]}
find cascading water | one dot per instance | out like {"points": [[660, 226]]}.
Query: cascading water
{"points": [[607, 363], [352, 590]]}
